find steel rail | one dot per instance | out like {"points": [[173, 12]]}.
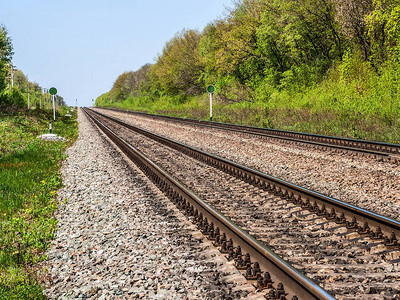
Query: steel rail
{"points": [[372, 148], [354, 218], [294, 282]]}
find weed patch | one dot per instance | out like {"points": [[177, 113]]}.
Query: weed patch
{"points": [[30, 180]]}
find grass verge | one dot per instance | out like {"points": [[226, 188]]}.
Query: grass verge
{"points": [[30, 178], [320, 110]]}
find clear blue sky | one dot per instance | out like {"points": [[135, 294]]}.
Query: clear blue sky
{"points": [[81, 46]]}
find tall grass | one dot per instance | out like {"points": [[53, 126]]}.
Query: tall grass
{"points": [[29, 172]]}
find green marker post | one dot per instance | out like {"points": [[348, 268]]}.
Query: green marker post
{"points": [[53, 92]]}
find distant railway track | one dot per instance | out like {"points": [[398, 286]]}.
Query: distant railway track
{"points": [[272, 273], [381, 150], [365, 224], [364, 221]]}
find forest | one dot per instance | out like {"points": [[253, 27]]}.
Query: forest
{"points": [[321, 66]]}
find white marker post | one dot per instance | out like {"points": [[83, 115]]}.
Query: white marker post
{"points": [[54, 107], [53, 92], [211, 90]]}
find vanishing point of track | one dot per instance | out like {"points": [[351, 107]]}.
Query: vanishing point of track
{"points": [[378, 228], [386, 151], [223, 232]]}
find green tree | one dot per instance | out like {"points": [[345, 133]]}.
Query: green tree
{"points": [[236, 49], [20, 80], [6, 52], [129, 83], [178, 69], [351, 15], [383, 25]]}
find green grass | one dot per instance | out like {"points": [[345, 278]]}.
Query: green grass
{"points": [[30, 178]]}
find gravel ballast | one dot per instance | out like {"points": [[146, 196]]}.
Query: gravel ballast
{"points": [[347, 265], [361, 181], [121, 238]]}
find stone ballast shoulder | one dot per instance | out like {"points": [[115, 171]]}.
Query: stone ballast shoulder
{"points": [[119, 236]]}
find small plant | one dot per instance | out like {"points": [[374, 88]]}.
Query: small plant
{"points": [[29, 169]]}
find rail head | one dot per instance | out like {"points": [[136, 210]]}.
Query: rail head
{"points": [[281, 271], [365, 146], [300, 195]]}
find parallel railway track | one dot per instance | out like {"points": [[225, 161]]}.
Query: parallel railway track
{"points": [[291, 283], [386, 151], [355, 219]]}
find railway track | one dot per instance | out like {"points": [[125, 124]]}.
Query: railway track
{"points": [[357, 179], [386, 151], [261, 264], [326, 215]]}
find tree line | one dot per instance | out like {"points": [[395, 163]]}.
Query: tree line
{"points": [[261, 46], [16, 91]]}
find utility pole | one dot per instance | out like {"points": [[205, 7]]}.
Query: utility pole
{"points": [[12, 76], [29, 96], [44, 97]]}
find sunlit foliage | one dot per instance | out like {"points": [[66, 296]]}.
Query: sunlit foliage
{"points": [[338, 58]]}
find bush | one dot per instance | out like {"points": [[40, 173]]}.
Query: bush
{"points": [[12, 99]]}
